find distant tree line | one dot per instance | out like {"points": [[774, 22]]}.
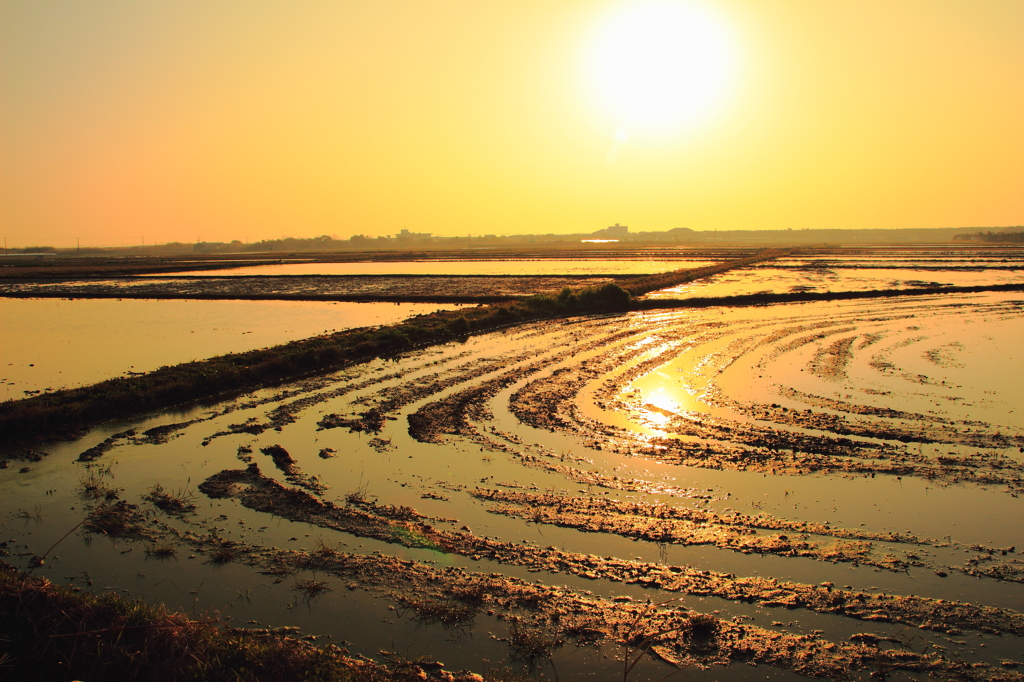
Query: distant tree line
{"points": [[424, 241], [991, 237], [31, 249]]}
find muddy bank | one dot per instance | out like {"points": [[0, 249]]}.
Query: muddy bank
{"points": [[356, 288], [52, 632], [71, 268], [682, 526]]}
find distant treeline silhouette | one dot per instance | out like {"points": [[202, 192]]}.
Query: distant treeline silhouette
{"points": [[992, 237]]}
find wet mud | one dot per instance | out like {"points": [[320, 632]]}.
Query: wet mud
{"points": [[409, 288], [552, 616]]}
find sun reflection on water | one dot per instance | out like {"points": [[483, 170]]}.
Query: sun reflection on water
{"points": [[667, 403]]}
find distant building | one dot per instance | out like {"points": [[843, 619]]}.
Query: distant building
{"points": [[406, 234], [611, 233], [207, 246]]}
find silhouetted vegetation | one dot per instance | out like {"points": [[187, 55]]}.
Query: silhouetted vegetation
{"points": [[992, 237], [422, 241], [51, 632], [28, 250]]}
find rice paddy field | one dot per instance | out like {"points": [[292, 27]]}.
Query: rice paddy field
{"points": [[824, 489]]}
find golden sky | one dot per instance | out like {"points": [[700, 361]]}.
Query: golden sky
{"points": [[249, 119]]}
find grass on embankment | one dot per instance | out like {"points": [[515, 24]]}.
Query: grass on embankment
{"points": [[50, 632], [67, 412]]}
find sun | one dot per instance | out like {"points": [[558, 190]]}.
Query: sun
{"points": [[660, 64]]}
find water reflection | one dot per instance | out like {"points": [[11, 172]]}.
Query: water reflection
{"points": [[56, 343], [862, 273], [464, 267]]}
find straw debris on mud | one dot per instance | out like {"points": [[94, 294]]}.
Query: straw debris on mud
{"points": [[382, 523]]}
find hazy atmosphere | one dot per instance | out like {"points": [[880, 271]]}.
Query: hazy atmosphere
{"points": [[159, 121]]}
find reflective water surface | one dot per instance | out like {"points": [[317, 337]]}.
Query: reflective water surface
{"points": [[811, 475], [642, 266], [59, 343], [862, 272]]}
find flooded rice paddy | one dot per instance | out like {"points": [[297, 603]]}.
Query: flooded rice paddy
{"points": [[355, 288], [56, 343], [861, 270], [463, 267], [819, 489], [832, 273]]}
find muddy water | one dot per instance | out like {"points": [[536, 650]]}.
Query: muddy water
{"points": [[836, 271], [730, 460], [53, 343], [936, 256], [468, 267]]}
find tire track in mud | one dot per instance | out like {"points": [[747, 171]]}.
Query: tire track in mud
{"points": [[550, 403], [727, 530], [578, 614], [457, 413], [834, 439]]}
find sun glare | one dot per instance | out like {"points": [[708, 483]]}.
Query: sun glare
{"points": [[660, 64]]}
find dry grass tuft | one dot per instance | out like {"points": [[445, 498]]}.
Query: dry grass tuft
{"points": [[447, 612], [161, 550], [311, 588], [117, 519], [223, 555], [92, 486], [359, 496], [326, 550], [701, 630], [177, 502], [531, 645]]}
